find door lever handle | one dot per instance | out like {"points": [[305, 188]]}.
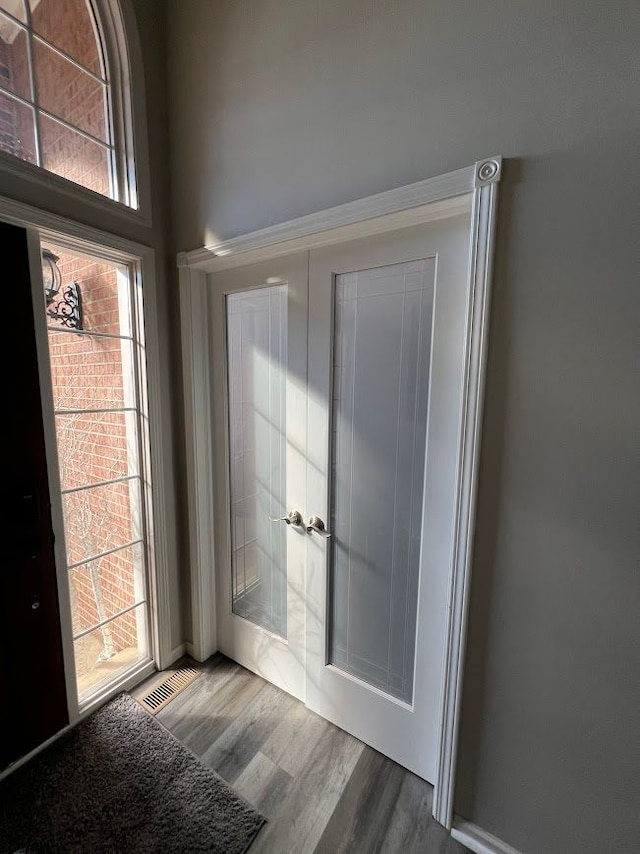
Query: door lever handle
{"points": [[316, 524], [293, 517]]}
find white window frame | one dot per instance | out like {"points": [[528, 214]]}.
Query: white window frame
{"points": [[44, 226], [113, 20]]}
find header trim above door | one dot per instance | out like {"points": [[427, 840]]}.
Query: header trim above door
{"points": [[431, 199]]}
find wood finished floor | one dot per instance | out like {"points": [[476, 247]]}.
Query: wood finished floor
{"points": [[320, 789]]}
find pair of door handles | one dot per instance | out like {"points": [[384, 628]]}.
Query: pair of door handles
{"points": [[294, 517]]}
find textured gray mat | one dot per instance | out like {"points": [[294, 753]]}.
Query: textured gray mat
{"points": [[119, 782]]}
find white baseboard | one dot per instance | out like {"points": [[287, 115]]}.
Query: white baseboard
{"points": [[177, 653], [478, 840]]}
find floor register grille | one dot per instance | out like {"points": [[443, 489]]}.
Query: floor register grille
{"points": [[162, 694]]}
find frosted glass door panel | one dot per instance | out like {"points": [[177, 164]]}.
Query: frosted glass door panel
{"points": [[382, 345], [257, 371]]}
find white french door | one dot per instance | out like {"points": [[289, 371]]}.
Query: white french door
{"points": [[346, 610], [259, 318], [387, 322]]}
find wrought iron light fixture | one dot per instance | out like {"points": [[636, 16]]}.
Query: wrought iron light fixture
{"points": [[65, 305]]}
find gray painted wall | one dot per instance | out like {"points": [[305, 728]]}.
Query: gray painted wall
{"points": [[284, 107]]}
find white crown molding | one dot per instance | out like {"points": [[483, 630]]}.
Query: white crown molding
{"points": [[403, 206], [478, 840]]}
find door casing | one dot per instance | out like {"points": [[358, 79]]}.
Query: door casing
{"points": [[473, 187]]}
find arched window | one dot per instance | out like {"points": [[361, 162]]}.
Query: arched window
{"points": [[63, 96]]}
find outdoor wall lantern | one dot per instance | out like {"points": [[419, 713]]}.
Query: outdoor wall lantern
{"points": [[64, 305]]}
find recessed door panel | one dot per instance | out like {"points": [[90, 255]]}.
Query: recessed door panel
{"points": [[381, 357]]}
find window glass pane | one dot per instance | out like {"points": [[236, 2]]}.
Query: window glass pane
{"points": [[17, 134], [104, 291], [104, 522], [89, 372], [101, 518], [15, 8], [68, 92], [73, 156], [106, 653], [257, 348], [14, 59], [94, 448], [62, 57], [104, 587], [68, 25], [379, 423]]}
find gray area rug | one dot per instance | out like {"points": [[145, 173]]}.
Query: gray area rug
{"points": [[120, 782]]}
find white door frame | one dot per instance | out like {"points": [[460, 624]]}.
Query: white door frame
{"points": [[429, 200]]}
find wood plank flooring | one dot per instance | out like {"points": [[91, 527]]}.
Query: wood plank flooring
{"points": [[320, 789]]}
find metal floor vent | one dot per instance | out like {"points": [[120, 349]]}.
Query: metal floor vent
{"points": [[165, 692]]}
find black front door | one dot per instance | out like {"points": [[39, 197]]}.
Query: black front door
{"points": [[33, 704]]}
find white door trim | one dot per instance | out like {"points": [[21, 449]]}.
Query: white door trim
{"points": [[435, 198], [196, 380], [483, 217], [410, 205]]}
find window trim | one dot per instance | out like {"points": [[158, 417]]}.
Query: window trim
{"points": [[111, 36], [42, 225], [117, 33]]}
